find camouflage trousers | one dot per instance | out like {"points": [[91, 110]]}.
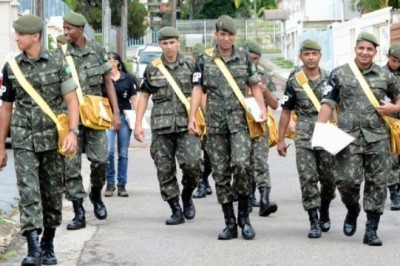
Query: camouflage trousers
{"points": [[95, 144], [206, 159], [230, 157], [186, 148], [39, 182], [259, 161], [364, 161], [394, 176], [315, 166]]}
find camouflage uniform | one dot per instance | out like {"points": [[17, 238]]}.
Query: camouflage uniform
{"points": [[313, 165], [35, 140], [169, 122], [91, 63], [260, 147], [228, 140], [367, 156]]}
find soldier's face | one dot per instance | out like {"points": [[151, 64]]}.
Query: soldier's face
{"points": [[224, 40], [25, 41], [310, 58], [71, 32], [365, 52], [256, 58], [393, 62], [170, 48]]}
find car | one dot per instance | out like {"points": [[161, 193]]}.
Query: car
{"points": [[147, 55]]}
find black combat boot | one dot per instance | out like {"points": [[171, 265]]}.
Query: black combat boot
{"points": [[350, 223], [266, 207], [34, 256], [99, 208], [254, 202], [188, 207], [230, 230], [324, 220], [201, 190], [177, 214], [315, 229], [79, 220], [207, 184], [49, 258], [394, 197], [243, 218], [370, 237]]}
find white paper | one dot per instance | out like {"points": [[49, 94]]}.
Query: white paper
{"points": [[330, 138], [253, 108], [131, 118]]}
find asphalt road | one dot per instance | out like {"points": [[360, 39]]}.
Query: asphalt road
{"points": [[135, 233]]}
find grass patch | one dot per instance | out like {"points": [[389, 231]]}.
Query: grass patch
{"points": [[9, 254], [272, 51], [128, 64], [283, 63]]}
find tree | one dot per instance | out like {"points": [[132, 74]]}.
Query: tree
{"points": [[366, 6], [92, 10]]}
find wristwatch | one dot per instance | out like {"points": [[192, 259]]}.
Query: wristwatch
{"points": [[75, 130]]}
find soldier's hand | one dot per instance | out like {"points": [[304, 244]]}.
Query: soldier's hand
{"points": [[386, 108], [3, 158], [116, 123], [192, 128], [139, 133], [70, 144], [281, 147]]}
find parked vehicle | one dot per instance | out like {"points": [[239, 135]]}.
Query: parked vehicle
{"points": [[147, 55]]}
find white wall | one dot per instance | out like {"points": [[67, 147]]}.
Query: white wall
{"points": [[8, 11]]}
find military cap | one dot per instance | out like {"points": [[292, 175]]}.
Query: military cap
{"points": [[310, 45], [198, 48], [394, 50], [28, 24], [61, 38], [369, 37], [75, 19], [167, 33], [226, 23], [253, 47]]}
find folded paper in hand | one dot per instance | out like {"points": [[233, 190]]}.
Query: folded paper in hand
{"points": [[330, 138], [131, 118], [253, 108]]}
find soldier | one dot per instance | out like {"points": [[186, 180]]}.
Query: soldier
{"points": [[366, 157], [393, 65], [169, 119], [61, 40], [203, 187], [228, 140], [313, 165], [34, 137], [93, 68], [260, 147]]}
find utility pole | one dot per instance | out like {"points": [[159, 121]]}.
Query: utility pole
{"points": [[124, 29], [106, 24], [39, 11], [173, 13]]}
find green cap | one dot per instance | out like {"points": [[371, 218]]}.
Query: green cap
{"points": [[369, 37], [61, 38], [75, 19], [394, 50], [253, 47], [226, 23], [28, 24], [167, 33], [310, 45], [197, 49]]}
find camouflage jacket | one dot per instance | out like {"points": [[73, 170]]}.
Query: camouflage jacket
{"points": [[91, 63], [295, 98], [168, 114], [224, 113], [397, 76], [356, 113], [31, 128], [266, 79]]}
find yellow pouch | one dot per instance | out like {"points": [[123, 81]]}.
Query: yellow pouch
{"points": [[272, 130], [394, 127], [96, 112]]}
